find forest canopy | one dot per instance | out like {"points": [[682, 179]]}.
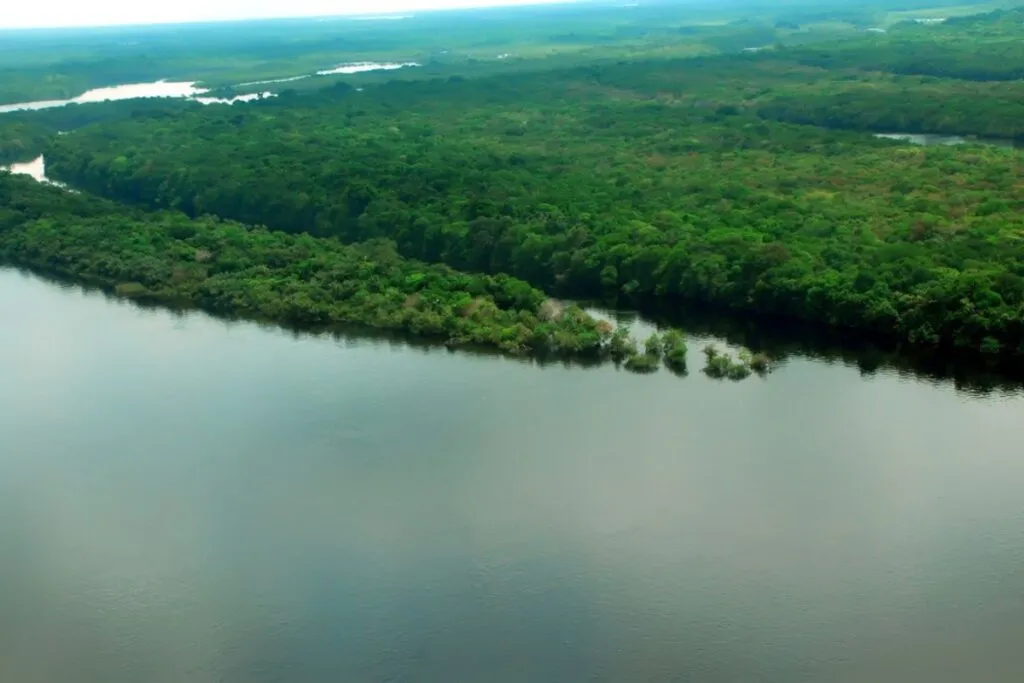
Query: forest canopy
{"points": [[606, 192], [748, 181], [227, 268]]}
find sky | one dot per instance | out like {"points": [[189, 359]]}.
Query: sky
{"points": [[53, 13]]}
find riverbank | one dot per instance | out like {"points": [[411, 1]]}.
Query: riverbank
{"points": [[229, 269], [760, 218]]}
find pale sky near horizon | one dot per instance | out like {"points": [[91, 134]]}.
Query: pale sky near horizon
{"points": [[59, 13]]}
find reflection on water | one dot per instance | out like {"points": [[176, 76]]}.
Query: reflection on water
{"points": [[975, 373], [183, 498]]}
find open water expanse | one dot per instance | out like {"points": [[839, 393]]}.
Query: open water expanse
{"points": [[188, 499]]}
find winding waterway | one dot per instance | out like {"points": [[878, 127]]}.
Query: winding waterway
{"points": [[188, 499], [191, 90]]}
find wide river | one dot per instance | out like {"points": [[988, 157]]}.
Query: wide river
{"points": [[184, 499], [190, 90]]}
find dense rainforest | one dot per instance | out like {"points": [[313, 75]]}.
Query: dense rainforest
{"points": [[25, 134], [979, 47], [587, 188], [63, 63], [231, 269], [747, 181]]}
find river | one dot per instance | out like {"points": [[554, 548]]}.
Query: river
{"points": [[158, 89], [188, 499], [35, 168], [191, 90]]}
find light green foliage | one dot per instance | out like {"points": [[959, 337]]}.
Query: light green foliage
{"points": [[643, 363], [653, 346], [674, 344], [722, 365]]}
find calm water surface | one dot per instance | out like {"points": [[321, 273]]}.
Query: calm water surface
{"points": [[184, 499], [158, 89], [190, 90], [113, 93]]}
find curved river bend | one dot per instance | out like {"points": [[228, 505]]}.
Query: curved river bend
{"points": [[185, 499]]}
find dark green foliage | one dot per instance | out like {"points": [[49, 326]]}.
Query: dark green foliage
{"points": [[621, 345], [47, 65], [227, 268], [25, 135], [598, 199], [985, 48], [760, 363], [987, 110], [650, 359], [669, 347], [21, 141]]}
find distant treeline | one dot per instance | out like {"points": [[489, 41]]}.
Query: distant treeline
{"points": [[988, 47]]}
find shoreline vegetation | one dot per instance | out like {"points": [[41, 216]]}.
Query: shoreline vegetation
{"points": [[223, 267], [457, 201], [641, 183], [916, 244]]}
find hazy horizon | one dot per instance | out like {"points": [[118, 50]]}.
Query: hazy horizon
{"points": [[69, 13]]}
